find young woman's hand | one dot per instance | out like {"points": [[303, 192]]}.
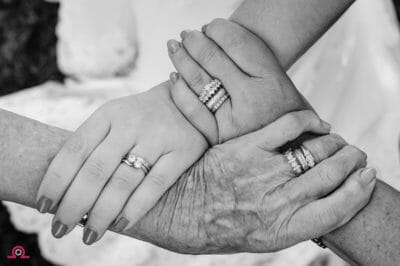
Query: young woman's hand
{"points": [[258, 87], [87, 175]]}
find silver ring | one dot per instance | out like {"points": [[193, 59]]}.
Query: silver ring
{"points": [[217, 100], [302, 159], [209, 90], [137, 162], [309, 157], [213, 95], [84, 220], [293, 162]]}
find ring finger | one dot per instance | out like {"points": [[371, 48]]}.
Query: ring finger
{"points": [[115, 194]]}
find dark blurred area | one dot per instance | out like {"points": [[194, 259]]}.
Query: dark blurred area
{"points": [[397, 7], [27, 44]]}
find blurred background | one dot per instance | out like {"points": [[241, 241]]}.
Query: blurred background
{"points": [[60, 60]]}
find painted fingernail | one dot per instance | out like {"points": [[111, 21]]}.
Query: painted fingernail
{"points": [[120, 224], [326, 126], [368, 175], [184, 34], [174, 77], [59, 229], [173, 46], [43, 205], [89, 236], [204, 28]]}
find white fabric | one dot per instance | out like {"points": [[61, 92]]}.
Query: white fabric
{"points": [[350, 76]]}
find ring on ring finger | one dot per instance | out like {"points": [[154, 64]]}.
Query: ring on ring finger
{"points": [[213, 95], [300, 160]]}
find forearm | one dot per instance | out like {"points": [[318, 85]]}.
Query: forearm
{"points": [[372, 236], [26, 150], [289, 27]]}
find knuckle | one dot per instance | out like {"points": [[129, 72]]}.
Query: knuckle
{"points": [[356, 153], [330, 174], [207, 56], [54, 175], [122, 182], [339, 140], [294, 120], [158, 181], [95, 168], [196, 80], [76, 145]]}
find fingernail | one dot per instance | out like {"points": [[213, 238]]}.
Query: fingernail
{"points": [[184, 34], [89, 236], [204, 28], [173, 46], [174, 77], [120, 224], [326, 126], [368, 175], [59, 229], [43, 205]]}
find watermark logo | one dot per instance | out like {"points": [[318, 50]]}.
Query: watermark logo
{"points": [[18, 252]]}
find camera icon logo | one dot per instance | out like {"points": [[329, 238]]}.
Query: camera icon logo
{"points": [[18, 252]]}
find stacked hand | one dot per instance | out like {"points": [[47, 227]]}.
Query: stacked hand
{"points": [[87, 175]]}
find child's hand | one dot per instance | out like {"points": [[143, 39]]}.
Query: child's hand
{"points": [[87, 175], [259, 90]]}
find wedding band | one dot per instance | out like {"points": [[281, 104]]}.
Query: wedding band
{"points": [[137, 162], [217, 100], [309, 157], [209, 90], [293, 162], [302, 159], [213, 95], [84, 220]]}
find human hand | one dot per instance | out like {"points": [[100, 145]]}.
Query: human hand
{"points": [[242, 195], [87, 174], [259, 89]]}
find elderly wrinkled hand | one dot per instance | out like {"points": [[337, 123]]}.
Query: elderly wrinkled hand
{"points": [[243, 196]]}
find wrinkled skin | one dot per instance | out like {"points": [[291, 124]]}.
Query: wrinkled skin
{"points": [[220, 206]]}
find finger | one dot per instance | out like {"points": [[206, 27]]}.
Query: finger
{"points": [[328, 174], [195, 76], [288, 128], [161, 177], [68, 161], [111, 202], [330, 213], [88, 183], [210, 57], [248, 51], [194, 111], [117, 192]]}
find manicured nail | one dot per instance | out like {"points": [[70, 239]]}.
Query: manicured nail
{"points": [[204, 28], [59, 229], [368, 175], [174, 77], [184, 34], [326, 126], [120, 224], [89, 236], [173, 46], [43, 205]]}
